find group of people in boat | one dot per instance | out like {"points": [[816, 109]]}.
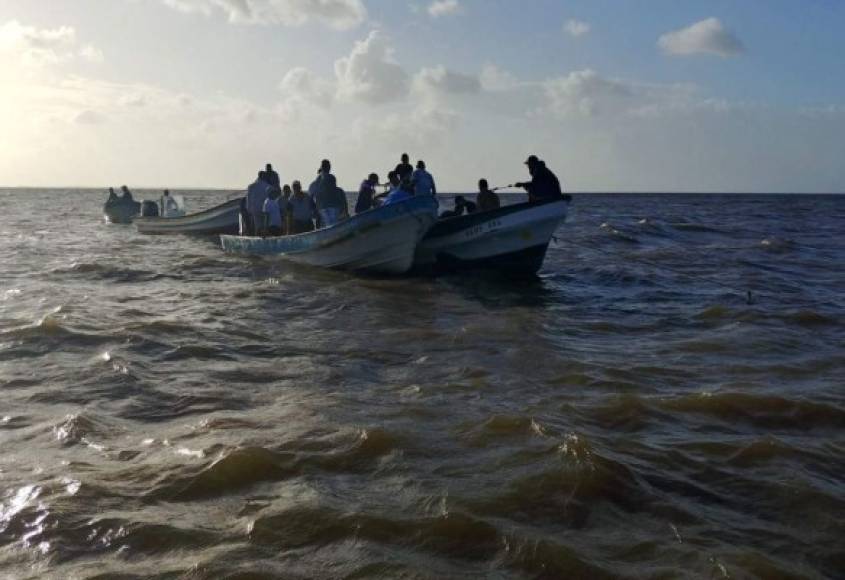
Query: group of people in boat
{"points": [[270, 208], [168, 206], [125, 197]]}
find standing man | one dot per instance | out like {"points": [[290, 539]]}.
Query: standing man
{"points": [[272, 177], [300, 211], [256, 195], [423, 181], [544, 184], [404, 169], [329, 198]]}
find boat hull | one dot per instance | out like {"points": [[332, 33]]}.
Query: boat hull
{"points": [[382, 240], [121, 212], [511, 240], [222, 219]]}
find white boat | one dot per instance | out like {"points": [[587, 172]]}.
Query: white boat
{"points": [[120, 211], [511, 240], [221, 219], [380, 240]]}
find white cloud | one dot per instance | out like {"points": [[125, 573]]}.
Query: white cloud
{"points": [[441, 80], [576, 28], [34, 46], [335, 13], [91, 54], [443, 8], [584, 93], [89, 117], [494, 78], [370, 73], [708, 36]]}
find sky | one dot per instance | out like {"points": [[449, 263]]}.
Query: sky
{"points": [[615, 95]]}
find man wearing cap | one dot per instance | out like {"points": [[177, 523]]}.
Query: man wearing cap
{"points": [[544, 184]]}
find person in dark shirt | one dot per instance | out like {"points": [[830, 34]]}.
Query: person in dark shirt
{"points": [[112, 196], [329, 198], [486, 199], [271, 177], [127, 195], [544, 184], [404, 170], [461, 206], [366, 194]]}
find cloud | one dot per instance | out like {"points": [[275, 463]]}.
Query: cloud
{"points": [[34, 46], [584, 93], [370, 73], [334, 13], [444, 8], [301, 83], [89, 117], [91, 54], [705, 37], [441, 80], [576, 28], [494, 78]]}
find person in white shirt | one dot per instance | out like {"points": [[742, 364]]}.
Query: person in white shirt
{"points": [[256, 194], [423, 181], [272, 214], [168, 204]]}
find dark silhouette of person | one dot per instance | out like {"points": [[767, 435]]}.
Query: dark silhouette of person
{"points": [[544, 184], [329, 198], [127, 195], [271, 177], [112, 196], [461, 206], [486, 199], [404, 169], [366, 194]]}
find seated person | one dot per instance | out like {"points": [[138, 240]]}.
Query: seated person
{"points": [[486, 199], [461, 205], [127, 195], [112, 196], [400, 192], [300, 211]]}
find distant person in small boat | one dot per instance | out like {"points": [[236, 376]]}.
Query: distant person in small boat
{"points": [[127, 195], [272, 213], [461, 206], [423, 181], [300, 211], [404, 169], [544, 184], [486, 199], [112, 196], [256, 195], [168, 204], [366, 194], [330, 200]]}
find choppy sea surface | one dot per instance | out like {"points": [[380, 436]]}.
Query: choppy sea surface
{"points": [[168, 411]]}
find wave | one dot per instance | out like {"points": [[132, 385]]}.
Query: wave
{"points": [[107, 272], [767, 411]]}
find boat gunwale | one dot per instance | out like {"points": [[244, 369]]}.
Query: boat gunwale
{"points": [[189, 219]]}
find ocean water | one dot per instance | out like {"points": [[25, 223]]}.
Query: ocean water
{"points": [[167, 411]]}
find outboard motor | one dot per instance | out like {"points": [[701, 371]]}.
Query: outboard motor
{"points": [[149, 209]]}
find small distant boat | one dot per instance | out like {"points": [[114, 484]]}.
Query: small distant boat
{"points": [[380, 240], [221, 219], [120, 211], [511, 240]]}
